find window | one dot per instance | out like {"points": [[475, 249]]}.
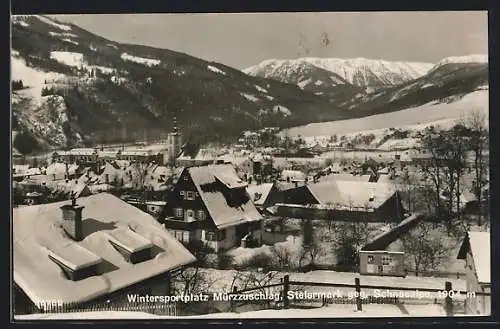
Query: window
{"points": [[182, 236], [201, 215], [189, 215], [386, 260], [182, 192], [370, 259], [189, 195], [215, 236], [178, 212]]}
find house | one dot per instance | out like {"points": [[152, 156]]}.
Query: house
{"points": [[250, 138], [59, 171], [69, 188], [141, 156], [257, 166], [265, 195], [348, 177], [85, 156], [343, 200], [203, 157], [475, 250], [114, 175], [289, 175], [210, 204], [90, 251]]}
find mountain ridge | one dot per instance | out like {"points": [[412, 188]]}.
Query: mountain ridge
{"points": [[78, 88]]}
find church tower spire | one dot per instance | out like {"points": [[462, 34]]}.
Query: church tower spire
{"points": [[174, 142]]}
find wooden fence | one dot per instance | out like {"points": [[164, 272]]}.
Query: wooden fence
{"points": [[447, 295], [166, 309]]}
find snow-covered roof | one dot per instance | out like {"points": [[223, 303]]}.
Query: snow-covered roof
{"points": [[37, 230], [352, 194], [222, 214], [129, 240], [60, 168], [345, 177], [293, 174], [478, 243], [136, 153], [78, 151], [259, 193], [383, 171]]}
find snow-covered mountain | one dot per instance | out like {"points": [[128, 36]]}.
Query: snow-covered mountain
{"points": [[72, 87], [470, 59], [361, 72]]}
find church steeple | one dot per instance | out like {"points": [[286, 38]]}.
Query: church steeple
{"points": [[174, 142], [174, 129]]}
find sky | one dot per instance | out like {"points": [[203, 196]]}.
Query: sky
{"points": [[242, 40]]}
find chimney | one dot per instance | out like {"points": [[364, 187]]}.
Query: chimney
{"points": [[72, 220]]}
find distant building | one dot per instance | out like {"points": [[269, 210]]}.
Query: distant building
{"points": [[265, 195], [475, 250], [140, 156], [83, 156], [291, 176], [344, 200], [174, 144], [257, 166], [210, 205], [250, 138], [203, 157], [93, 252]]}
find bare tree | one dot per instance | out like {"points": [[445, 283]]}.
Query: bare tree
{"points": [[282, 256], [478, 143], [139, 178], [426, 250], [351, 236], [433, 170], [259, 281], [193, 279], [309, 254]]}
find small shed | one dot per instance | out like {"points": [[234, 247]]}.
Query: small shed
{"points": [[381, 262]]}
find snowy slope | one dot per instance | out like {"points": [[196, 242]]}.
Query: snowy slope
{"points": [[427, 113], [478, 58], [138, 86], [357, 71]]}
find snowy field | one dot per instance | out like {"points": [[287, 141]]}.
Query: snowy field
{"points": [[32, 78], [412, 118]]}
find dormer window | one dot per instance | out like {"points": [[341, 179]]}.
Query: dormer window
{"points": [[132, 246], [76, 262]]}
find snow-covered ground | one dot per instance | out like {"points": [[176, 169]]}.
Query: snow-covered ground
{"points": [[412, 118], [63, 34], [329, 311], [250, 97], [216, 70], [70, 41], [475, 58], [32, 78], [259, 88], [60, 26], [304, 83], [140, 60], [68, 58]]}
